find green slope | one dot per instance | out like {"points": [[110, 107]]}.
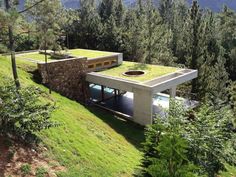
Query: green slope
{"points": [[90, 142]]}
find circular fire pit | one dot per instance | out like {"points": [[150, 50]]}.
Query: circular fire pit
{"points": [[133, 73]]}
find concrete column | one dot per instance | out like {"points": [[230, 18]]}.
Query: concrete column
{"points": [[115, 92], [143, 106], [102, 92], [173, 92], [120, 58], [172, 95]]}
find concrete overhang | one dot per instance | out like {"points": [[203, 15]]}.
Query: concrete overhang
{"points": [[156, 85]]}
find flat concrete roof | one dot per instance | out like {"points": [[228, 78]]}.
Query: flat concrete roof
{"points": [[157, 83]]}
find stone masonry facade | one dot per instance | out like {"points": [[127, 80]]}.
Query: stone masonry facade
{"points": [[66, 77]]}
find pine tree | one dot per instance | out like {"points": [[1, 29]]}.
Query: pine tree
{"points": [[158, 38], [193, 38], [134, 33], [112, 16], [133, 37], [213, 78], [180, 11], [166, 9], [227, 25], [89, 26]]}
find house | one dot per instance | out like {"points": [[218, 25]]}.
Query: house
{"points": [[75, 76]]}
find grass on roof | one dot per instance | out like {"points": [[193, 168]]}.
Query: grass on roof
{"points": [[74, 52], [90, 142], [88, 53], [151, 71], [33, 56]]}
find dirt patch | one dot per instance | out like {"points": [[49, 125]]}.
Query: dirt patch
{"points": [[14, 155]]}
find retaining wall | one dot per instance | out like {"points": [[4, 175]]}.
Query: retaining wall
{"points": [[66, 77]]}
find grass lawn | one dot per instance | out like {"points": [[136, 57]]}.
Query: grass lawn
{"points": [[33, 56], [231, 172], [74, 52], [152, 71], [88, 53], [89, 142]]}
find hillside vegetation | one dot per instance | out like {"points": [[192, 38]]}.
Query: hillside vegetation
{"points": [[89, 142]]}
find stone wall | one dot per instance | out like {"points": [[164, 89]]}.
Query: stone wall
{"points": [[66, 77]]}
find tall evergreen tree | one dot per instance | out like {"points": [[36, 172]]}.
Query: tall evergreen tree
{"points": [[133, 37], [227, 27], [112, 17], [180, 11], [134, 34], [166, 9], [89, 26], [193, 38], [213, 77], [158, 38]]}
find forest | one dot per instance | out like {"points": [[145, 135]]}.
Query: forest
{"points": [[185, 143]]}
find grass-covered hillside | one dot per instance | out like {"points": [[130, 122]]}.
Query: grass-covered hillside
{"points": [[89, 142]]}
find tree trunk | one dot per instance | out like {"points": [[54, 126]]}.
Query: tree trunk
{"points": [[46, 64], [12, 49]]}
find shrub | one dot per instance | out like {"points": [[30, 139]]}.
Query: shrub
{"points": [[22, 113], [41, 172], [203, 138], [25, 169], [211, 139], [166, 150], [232, 95]]}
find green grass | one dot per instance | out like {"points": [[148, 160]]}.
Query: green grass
{"points": [[231, 172], [74, 52], [33, 56], [90, 142], [152, 71], [88, 53]]}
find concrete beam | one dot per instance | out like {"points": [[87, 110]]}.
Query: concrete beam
{"points": [[143, 110], [112, 82], [173, 92]]}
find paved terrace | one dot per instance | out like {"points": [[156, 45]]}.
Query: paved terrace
{"points": [[156, 79]]}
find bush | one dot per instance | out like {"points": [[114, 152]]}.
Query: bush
{"points": [[22, 113], [166, 150], [211, 139], [25, 169], [41, 172], [232, 94], [203, 138]]}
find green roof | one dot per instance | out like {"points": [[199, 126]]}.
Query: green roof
{"points": [[151, 71], [36, 56], [89, 53]]}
